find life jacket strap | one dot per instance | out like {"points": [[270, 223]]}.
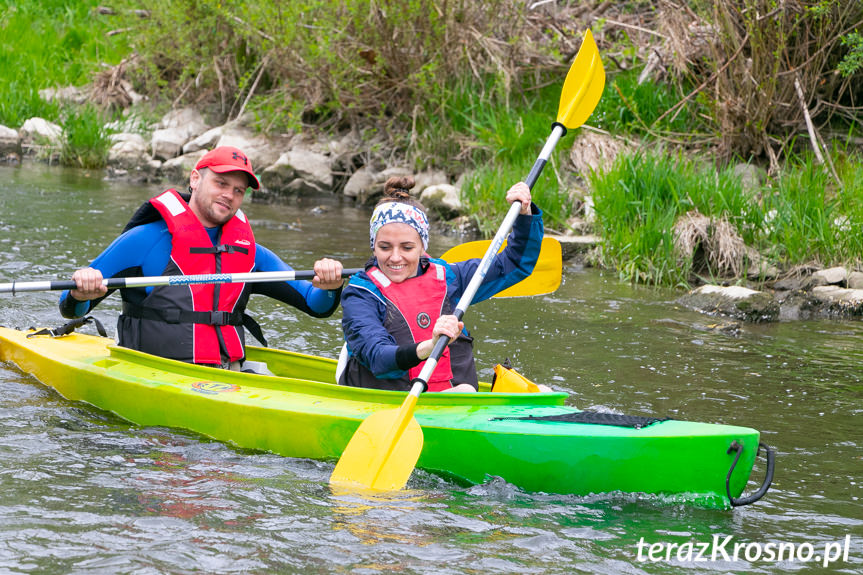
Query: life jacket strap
{"points": [[183, 316], [220, 249], [235, 318]]}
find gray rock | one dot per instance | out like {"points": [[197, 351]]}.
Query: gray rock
{"points": [[10, 141], [173, 131], [442, 199], [299, 172], [180, 118], [128, 150], [398, 171], [855, 280], [177, 169], [168, 143], [798, 305], [370, 194], [737, 302], [790, 283], [363, 183], [206, 141], [831, 276], [38, 130], [426, 179], [67, 93], [261, 150], [839, 302]]}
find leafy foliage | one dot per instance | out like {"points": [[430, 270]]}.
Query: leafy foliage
{"points": [[852, 62]]}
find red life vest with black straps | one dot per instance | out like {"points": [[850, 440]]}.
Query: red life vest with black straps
{"points": [[420, 302], [215, 337]]}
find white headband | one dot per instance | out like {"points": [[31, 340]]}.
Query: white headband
{"points": [[399, 213]]}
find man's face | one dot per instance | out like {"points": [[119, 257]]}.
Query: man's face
{"points": [[216, 197]]}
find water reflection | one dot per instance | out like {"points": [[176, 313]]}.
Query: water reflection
{"points": [[374, 517]]}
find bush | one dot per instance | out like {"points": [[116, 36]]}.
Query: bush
{"points": [[337, 61]]}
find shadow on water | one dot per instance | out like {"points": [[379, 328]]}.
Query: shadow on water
{"points": [[82, 491]]}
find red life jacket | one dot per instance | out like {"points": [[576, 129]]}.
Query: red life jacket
{"points": [[420, 301], [192, 252]]}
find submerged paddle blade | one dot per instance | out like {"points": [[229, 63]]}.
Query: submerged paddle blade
{"points": [[383, 451], [546, 275], [583, 86]]}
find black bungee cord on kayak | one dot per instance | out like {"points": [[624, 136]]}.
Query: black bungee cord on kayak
{"points": [[593, 417], [70, 326]]}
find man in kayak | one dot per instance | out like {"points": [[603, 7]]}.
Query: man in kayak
{"points": [[203, 232], [396, 308]]}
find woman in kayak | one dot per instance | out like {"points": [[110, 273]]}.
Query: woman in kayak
{"points": [[393, 311]]}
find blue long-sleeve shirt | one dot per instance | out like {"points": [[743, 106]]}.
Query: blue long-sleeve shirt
{"points": [[364, 310], [145, 250]]}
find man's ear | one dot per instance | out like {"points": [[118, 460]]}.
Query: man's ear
{"points": [[194, 180]]}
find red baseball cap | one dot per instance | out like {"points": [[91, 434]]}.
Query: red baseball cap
{"points": [[229, 159]]}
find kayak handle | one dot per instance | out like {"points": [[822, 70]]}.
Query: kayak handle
{"points": [[768, 477]]}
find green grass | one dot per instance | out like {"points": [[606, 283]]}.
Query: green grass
{"points": [[50, 43], [810, 219], [629, 107], [85, 140], [637, 202], [800, 217]]}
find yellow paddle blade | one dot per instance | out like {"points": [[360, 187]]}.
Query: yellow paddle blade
{"points": [[507, 380], [383, 451], [545, 277], [583, 85]]}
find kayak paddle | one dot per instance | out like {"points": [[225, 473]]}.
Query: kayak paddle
{"points": [[385, 448], [545, 277], [147, 281]]}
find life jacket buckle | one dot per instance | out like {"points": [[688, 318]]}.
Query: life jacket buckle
{"points": [[219, 318]]}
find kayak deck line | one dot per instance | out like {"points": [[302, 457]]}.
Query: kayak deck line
{"points": [[596, 418], [301, 412]]}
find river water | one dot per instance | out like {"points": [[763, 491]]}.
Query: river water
{"points": [[83, 491]]}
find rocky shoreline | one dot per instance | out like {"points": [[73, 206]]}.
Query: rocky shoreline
{"points": [[288, 166], [291, 166]]}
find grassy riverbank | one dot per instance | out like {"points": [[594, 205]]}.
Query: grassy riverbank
{"points": [[471, 89], [668, 219], [55, 43]]}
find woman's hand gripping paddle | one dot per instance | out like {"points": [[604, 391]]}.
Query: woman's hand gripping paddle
{"points": [[385, 448]]}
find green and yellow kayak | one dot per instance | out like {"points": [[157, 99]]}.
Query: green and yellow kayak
{"points": [[531, 440]]}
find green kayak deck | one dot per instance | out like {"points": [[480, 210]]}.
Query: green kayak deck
{"points": [[300, 412]]}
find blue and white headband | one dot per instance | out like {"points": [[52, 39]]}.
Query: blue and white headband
{"points": [[399, 213]]}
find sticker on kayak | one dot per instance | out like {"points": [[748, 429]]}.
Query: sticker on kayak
{"points": [[213, 388]]}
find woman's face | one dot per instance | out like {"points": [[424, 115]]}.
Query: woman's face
{"points": [[398, 248]]}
